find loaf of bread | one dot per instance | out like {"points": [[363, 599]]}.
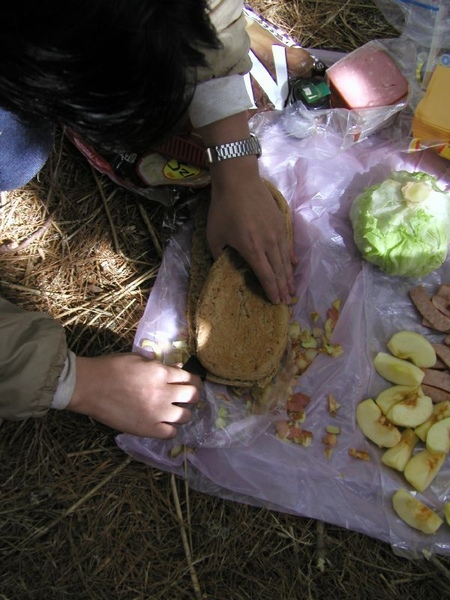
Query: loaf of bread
{"points": [[237, 334]]}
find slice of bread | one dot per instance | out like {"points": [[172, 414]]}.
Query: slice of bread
{"points": [[201, 263], [236, 333]]}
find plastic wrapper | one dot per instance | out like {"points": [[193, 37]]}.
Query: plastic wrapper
{"points": [[230, 449], [354, 125], [151, 174], [420, 21], [427, 25]]}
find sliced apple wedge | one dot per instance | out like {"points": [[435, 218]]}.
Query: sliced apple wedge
{"points": [[415, 513], [438, 437], [411, 412], [422, 468], [396, 393], [375, 425], [441, 410], [447, 512], [397, 370], [414, 347], [398, 456]]}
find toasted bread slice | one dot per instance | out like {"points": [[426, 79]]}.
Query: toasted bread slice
{"points": [[238, 335]]}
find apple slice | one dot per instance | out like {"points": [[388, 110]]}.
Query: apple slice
{"points": [[447, 512], [422, 468], [397, 370], [375, 425], [396, 393], [441, 410], [411, 412], [438, 437], [415, 513], [397, 456], [414, 347]]}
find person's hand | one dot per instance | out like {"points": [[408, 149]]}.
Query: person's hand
{"points": [[244, 215], [134, 395]]}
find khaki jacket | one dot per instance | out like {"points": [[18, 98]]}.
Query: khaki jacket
{"points": [[33, 350], [233, 58], [33, 347]]}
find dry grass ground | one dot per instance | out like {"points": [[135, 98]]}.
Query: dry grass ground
{"points": [[78, 518]]}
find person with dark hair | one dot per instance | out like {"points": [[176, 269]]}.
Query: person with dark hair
{"points": [[126, 75]]}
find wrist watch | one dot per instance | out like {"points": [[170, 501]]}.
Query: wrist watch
{"points": [[233, 150]]}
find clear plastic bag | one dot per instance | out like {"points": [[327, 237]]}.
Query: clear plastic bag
{"points": [[234, 453], [420, 21], [357, 124], [427, 25]]}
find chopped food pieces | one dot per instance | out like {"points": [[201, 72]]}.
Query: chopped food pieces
{"points": [[415, 513], [360, 454], [375, 426], [333, 405], [438, 437], [308, 342], [422, 468], [287, 430], [397, 370], [403, 417], [398, 456], [414, 347]]}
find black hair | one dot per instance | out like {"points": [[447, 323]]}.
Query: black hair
{"points": [[119, 72]]}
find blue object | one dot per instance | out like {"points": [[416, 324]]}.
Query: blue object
{"points": [[24, 150]]}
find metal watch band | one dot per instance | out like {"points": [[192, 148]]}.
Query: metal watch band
{"points": [[233, 150]]}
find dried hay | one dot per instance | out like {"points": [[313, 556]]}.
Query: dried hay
{"points": [[78, 518], [330, 24]]}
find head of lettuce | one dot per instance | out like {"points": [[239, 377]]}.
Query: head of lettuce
{"points": [[402, 225]]}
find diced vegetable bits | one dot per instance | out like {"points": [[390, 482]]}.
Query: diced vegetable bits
{"points": [[306, 344]]}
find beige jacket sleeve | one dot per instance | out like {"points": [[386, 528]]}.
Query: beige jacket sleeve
{"points": [[233, 57], [221, 90], [33, 351]]}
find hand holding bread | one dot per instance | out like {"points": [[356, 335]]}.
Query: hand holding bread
{"points": [[238, 335], [243, 216]]}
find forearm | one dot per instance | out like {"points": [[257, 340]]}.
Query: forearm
{"points": [[234, 172], [229, 129], [243, 213]]}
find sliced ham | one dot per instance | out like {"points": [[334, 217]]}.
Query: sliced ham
{"points": [[436, 394], [429, 312], [439, 365], [366, 78], [443, 353], [437, 379], [444, 291], [442, 304]]}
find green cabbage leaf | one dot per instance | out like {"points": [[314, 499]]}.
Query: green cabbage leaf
{"points": [[402, 225]]}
